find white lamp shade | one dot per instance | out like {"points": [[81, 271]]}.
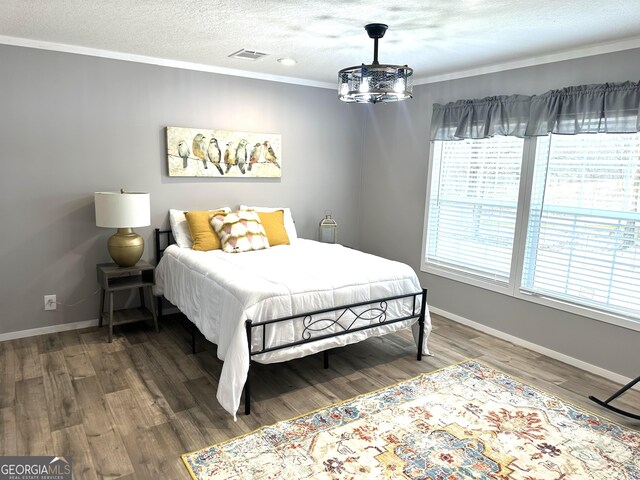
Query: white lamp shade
{"points": [[122, 210]]}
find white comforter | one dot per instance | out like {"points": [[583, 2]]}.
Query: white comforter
{"points": [[218, 291]]}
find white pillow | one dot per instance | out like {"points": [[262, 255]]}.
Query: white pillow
{"points": [[180, 227], [289, 226]]}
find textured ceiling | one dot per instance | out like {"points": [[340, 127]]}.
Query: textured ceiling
{"points": [[436, 38]]}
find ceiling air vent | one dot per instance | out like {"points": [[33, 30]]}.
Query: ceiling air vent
{"points": [[248, 54]]}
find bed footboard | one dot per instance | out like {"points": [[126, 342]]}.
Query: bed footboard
{"points": [[314, 323]]}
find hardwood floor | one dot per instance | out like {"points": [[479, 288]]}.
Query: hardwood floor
{"points": [[129, 409]]}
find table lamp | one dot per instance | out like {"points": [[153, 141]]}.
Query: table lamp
{"points": [[123, 210]]}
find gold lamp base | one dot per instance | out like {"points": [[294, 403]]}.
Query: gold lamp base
{"points": [[125, 247]]}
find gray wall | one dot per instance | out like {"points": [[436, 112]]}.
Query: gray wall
{"points": [[396, 153], [72, 125]]}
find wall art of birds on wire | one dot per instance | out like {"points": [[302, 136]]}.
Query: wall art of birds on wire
{"points": [[191, 152]]}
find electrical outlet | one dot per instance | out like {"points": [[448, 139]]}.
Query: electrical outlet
{"points": [[50, 302]]}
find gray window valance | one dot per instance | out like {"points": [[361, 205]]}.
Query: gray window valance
{"points": [[483, 118], [606, 108]]}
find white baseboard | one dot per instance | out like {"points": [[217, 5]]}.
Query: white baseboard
{"points": [[615, 377], [63, 327]]}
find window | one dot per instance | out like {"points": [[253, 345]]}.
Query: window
{"points": [[573, 241], [472, 207], [584, 226]]}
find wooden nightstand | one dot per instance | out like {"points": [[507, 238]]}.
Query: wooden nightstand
{"points": [[113, 278]]}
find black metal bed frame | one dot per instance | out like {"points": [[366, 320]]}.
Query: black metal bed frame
{"points": [[315, 321]]}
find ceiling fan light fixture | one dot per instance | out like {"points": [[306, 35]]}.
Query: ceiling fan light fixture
{"points": [[375, 83]]}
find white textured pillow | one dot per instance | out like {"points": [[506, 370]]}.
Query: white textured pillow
{"points": [[180, 227], [289, 226], [240, 231]]}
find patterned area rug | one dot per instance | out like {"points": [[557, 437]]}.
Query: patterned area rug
{"points": [[466, 421]]}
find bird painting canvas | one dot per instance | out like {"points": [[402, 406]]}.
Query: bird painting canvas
{"points": [[205, 152]]}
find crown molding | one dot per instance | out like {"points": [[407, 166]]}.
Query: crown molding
{"points": [[570, 54], [587, 51], [163, 62]]}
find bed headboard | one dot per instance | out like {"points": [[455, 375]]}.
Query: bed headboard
{"points": [[163, 238]]}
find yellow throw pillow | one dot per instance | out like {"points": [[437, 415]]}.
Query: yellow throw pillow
{"points": [[240, 231], [202, 233], [273, 223]]}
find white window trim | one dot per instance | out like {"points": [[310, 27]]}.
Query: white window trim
{"points": [[591, 313], [522, 219], [519, 244]]}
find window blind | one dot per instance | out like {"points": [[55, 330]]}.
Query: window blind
{"points": [[583, 233], [472, 206]]}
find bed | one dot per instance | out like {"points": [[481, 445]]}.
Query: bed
{"points": [[287, 302]]}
